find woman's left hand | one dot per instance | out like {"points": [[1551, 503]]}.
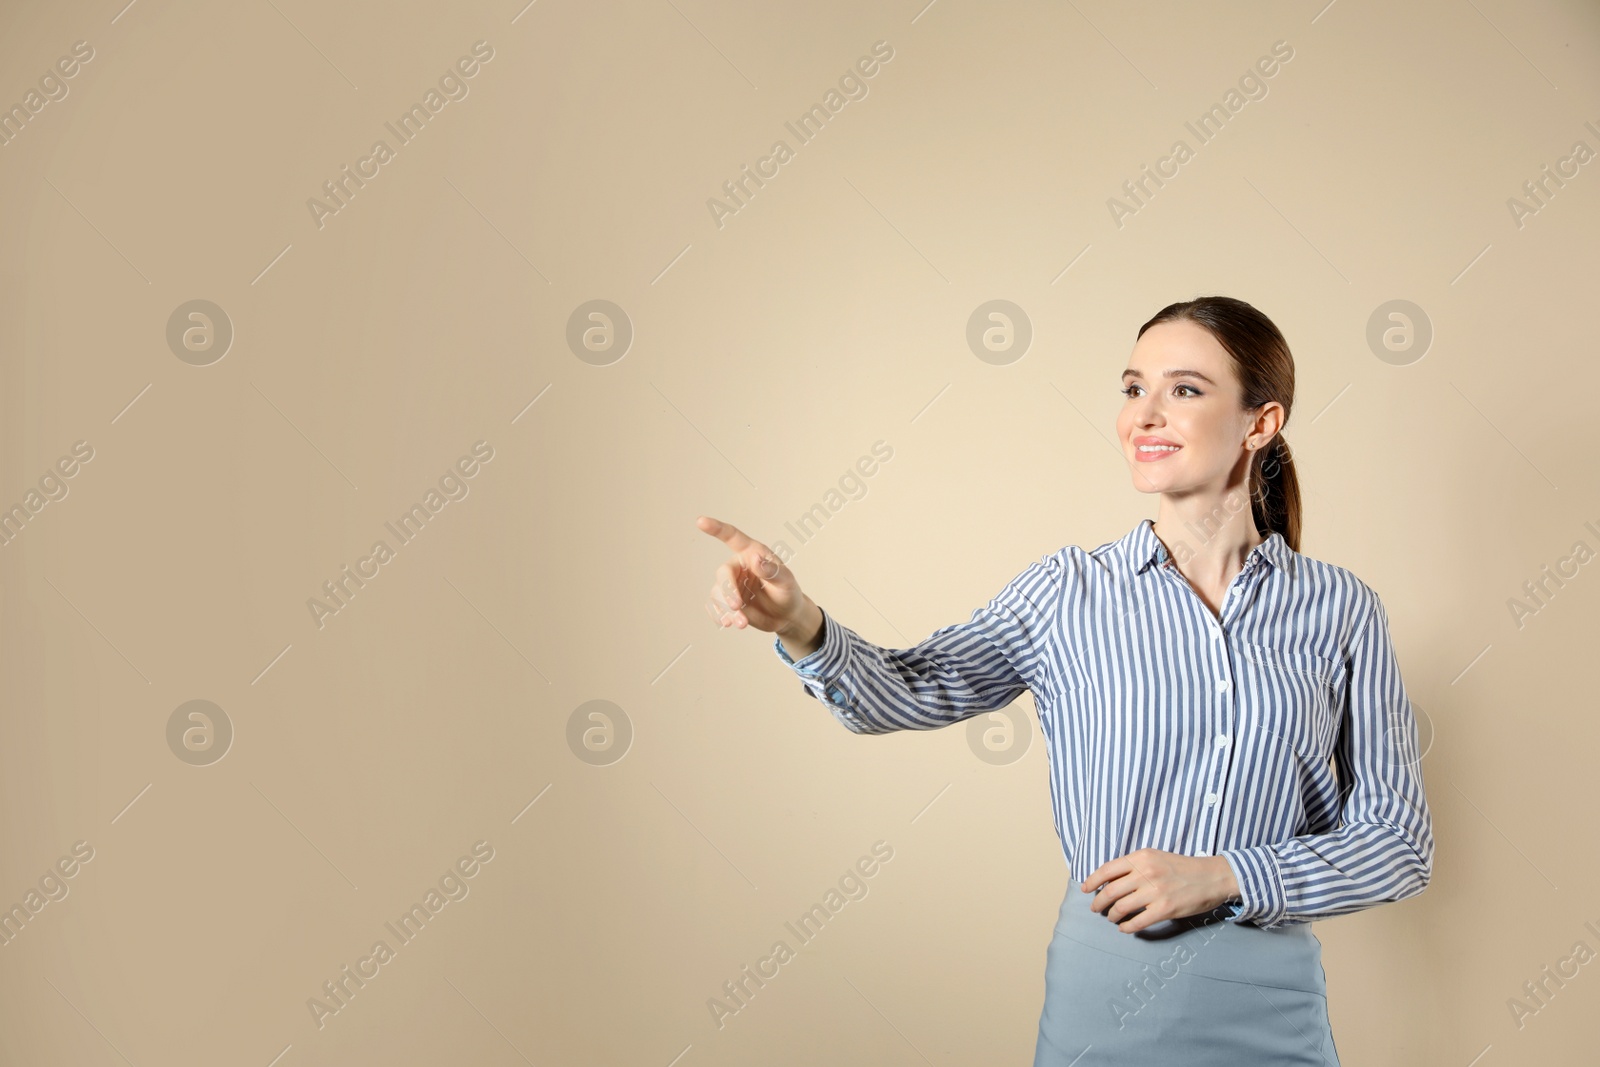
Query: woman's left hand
{"points": [[1165, 885]]}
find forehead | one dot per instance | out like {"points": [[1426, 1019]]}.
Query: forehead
{"points": [[1179, 343]]}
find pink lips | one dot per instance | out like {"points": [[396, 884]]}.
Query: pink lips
{"points": [[1152, 457]]}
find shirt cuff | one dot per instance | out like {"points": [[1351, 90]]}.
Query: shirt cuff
{"points": [[817, 668], [1260, 886]]}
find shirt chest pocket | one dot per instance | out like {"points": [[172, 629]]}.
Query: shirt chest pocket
{"points": [[1295, 697]]}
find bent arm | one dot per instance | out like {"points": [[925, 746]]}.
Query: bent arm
{"points": [[954, 673], [1383, 850]]}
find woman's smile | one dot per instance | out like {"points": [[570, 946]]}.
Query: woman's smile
{"points": [[1150, 449]]}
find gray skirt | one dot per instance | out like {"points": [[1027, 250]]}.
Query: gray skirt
{"points": [[1195, 990]]}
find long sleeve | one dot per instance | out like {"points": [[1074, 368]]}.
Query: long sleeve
{"points": [[956, 672], [1383, 850]]}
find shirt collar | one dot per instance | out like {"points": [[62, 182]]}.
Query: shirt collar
{"points": [[1143, 549]]}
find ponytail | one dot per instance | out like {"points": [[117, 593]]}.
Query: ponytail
{"points": [[1275, 492]]}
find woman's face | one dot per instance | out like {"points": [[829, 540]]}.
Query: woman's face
{"points": [[1182, 391]]}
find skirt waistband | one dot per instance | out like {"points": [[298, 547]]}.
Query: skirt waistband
{"points": [[1285, 957]]}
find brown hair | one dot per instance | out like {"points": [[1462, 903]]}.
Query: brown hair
{"points": [[1265, 369]]}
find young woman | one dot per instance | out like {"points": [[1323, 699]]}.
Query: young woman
{"points": [[1232, 754]]}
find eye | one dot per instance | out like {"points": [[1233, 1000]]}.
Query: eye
{"points": [[1127, 390]]}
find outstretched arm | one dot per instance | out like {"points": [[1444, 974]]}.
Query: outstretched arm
{"points": [[956, 672]]}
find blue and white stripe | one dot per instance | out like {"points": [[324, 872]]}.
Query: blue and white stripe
{"points": [[1278, 736]]}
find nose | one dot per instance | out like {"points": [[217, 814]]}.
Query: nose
{"points": [[1147, 412]]}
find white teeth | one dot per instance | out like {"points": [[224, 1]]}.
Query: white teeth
{"points": [[1158, 448]]}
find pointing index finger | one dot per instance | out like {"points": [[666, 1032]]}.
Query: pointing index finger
{"points": [[727, 533]]}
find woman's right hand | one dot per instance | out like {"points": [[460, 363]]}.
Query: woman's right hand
{"points": [[753, 588]]}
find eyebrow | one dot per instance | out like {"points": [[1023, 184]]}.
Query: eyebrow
{"points": [[1131, 373]]}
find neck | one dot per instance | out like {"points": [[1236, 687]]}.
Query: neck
{"points": [[1207, 537]]}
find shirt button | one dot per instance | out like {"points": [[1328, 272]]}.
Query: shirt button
{"points": [[1222, 741], [1222, 685], [1211, 798]]}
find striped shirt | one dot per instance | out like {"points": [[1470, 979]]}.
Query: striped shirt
{"points": [[1278, 736]]}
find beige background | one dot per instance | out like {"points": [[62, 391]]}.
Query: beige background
{"points": [[768, 356]]}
